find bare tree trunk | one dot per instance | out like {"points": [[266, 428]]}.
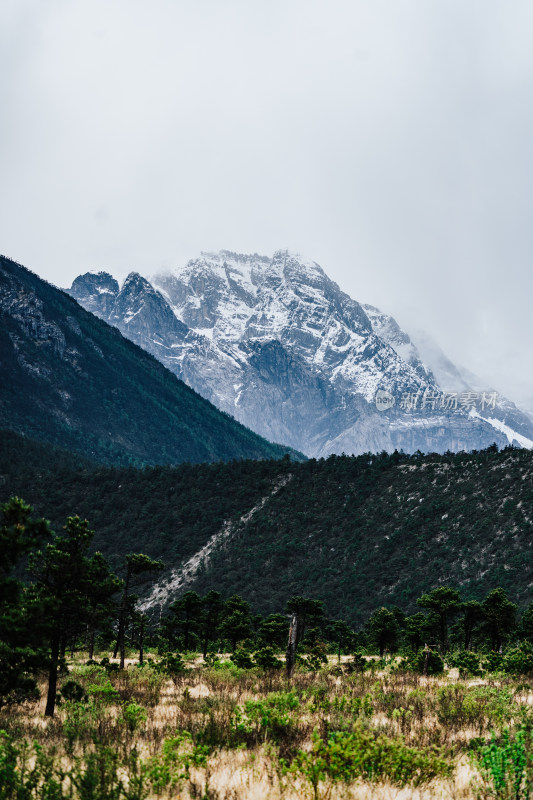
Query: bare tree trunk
{"points": [[52, 677], [121, 638], [91, 643], [426, 660], [290, 657], [141, 640]]}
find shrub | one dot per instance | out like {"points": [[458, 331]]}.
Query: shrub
{"points": [[357, 664], [266, 659], [171, 664], [315, 658], [269, 718], [80, 721], [108, 666], [73, 691], [519, 661], [506, 767], [467, 663], [171, 766], [493, 662], [144, 685], [103, 694], [27, 773], [361, 754], [480, 706], [242, 658], [425, 660], [133, 715], [25, 689], [96, 777]]}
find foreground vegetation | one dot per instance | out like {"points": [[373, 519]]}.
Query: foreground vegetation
{"points": [[99, 701], [210, 729]]}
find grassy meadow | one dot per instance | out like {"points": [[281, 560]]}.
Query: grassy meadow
{"points": [[355, 729]]}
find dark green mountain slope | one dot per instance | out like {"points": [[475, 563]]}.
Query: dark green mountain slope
{"points": [[356, 532], [167, 512], [70, 379]]}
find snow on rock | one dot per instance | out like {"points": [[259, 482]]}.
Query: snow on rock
{"points": [[277, 344]]}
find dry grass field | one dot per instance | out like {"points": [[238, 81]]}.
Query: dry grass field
{"points": [[218, 732]]}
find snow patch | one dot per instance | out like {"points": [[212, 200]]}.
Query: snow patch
{"points": [[512, 435]]}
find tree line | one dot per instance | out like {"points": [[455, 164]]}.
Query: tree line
{"points": [[58, 597]]}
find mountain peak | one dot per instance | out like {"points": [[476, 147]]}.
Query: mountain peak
{"points": [[75, 381], [276, 343], [98, 290]]}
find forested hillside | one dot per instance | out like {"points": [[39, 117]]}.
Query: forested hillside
{"points": [[355, 532], [71, 380]]}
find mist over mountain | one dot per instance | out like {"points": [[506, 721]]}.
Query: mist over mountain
{"points": [[275, 343]]}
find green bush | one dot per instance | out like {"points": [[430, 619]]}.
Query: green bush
{"points": [[103, 694], [80, 721], [271, 718], [73, 691], [363, 754], [519, 661], [134, 716], [211, 660], [242, 658], [108, 666], [467, 663], [266, 659], [171, 665], [479, 706], [168, 769], [506, 766], [430, 661], [358, 663], [96, 776], [493, 662], [315, 658], [27, 773], [350, 705]]}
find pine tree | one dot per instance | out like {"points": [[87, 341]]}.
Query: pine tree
{"points": [[442, 602], [308, 612], [136, 564], [62, 574], [500, 616], [102, 585], [383, 630], [237, 622], [183, 622], [213, 608], [22, 648], [472, 616]]}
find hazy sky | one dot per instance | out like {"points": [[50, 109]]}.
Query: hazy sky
{"points": [[392, 142]]}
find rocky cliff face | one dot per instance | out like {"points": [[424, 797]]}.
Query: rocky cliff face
{"points": [[71, 380], [277, 344]]}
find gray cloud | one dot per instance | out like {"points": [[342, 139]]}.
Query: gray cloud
{"points": [[389, 141]]}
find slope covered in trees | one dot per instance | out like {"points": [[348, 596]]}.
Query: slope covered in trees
{"points": [[71, 380], [357, 533]]}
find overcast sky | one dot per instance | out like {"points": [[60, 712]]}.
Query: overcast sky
{"points": [[391, 142]]}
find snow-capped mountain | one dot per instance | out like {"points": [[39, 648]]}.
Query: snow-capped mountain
{"points": [[277, 344]]}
